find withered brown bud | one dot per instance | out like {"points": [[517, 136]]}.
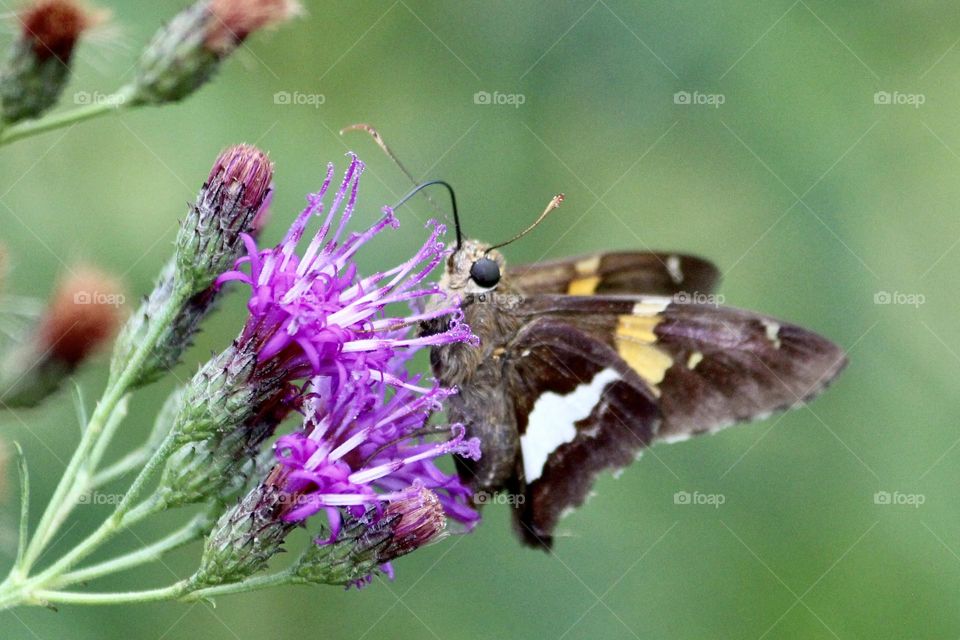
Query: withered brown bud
{"points": [[83, 314], [52, 27], [188, 50], [38, 64], [234, 20]]}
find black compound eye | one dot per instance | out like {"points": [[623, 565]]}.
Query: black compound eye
{"points": [[485, 272]]}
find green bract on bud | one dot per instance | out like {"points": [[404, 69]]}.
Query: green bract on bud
{"points": [[351, 560], [38, 64], [82, 315], [246, 536], [229, 204], [187, 51], [226, 412], [232, 201], [365, 547]]}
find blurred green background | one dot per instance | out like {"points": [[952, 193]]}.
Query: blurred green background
{"points": [[812, 195]]}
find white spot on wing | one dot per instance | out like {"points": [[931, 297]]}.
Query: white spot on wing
{"points": [[552, 421], [651, 305], [673, 269], [773, 332], [587, 266]]}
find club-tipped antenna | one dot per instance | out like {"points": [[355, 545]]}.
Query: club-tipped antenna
{"points": [[554, 203], [453, 201], [372, 131]]}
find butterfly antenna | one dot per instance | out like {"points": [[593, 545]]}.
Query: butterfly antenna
{"points": [[553, 204], [453, 201], [372, 131]]}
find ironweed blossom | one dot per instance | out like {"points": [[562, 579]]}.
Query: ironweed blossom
{"points": [[365, 461], [314, 315], [360, 450], [311, 315]]}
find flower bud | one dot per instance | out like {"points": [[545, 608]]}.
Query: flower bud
{"points": [[246, 536], [38, 65], [366, 546], [186, 52], [229, 204], [351, 560], [232, 202], [415, 521], [82, 316], [226, 412]]}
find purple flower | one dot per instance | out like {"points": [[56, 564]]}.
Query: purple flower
{"points": [[311, 314], [361, 450], [365, 456]]}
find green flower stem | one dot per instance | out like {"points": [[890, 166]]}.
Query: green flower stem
{"points": [[17, 590], [255, 583], [191, 531], [109, 430], [125, 515], [64, 496], [83, 482], [124, 465], [120, 597], [184, 590], [60, 505], [110, 104], [24, 503]]}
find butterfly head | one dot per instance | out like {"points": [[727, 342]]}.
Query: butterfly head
{"points": [[473, 268]]}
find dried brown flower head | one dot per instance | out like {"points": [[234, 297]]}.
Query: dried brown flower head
{"points": [[54, 26], [234, 20], [83, 314]]}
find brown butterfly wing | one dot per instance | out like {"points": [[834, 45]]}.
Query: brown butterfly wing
{"points": [[596, 379], [625, 272]]}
